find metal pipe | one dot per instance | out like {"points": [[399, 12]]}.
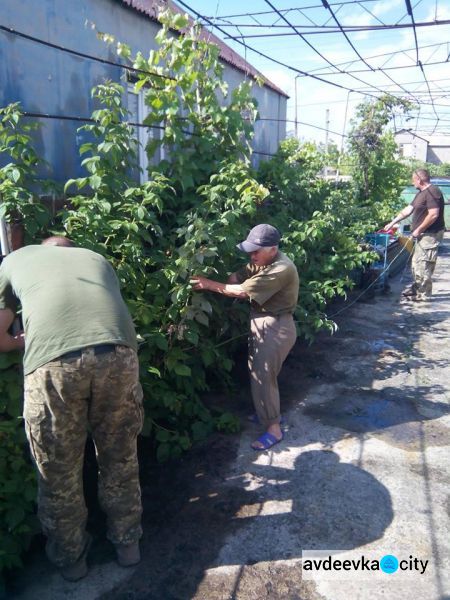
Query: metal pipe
{"points": [[343, 135], [4, 238], [296, 115]]}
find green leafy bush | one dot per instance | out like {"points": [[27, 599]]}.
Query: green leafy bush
{"points": [[17, 480], [322, 229], [18, 178]]}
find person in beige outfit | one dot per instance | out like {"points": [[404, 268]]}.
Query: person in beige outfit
{"points": [[270, 282]]}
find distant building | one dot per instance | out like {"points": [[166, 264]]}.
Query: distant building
{"points": [[421, 146]]}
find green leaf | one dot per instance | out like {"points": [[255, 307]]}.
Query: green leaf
{"points": [[182, 370], [163, 435], [201, 318], [95, 182], [192, 336], [208, 357], [161, 341], [69, 183], [154, 371]]}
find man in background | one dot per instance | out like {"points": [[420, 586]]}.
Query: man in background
{"points": [[427, 229], [81, 372]]}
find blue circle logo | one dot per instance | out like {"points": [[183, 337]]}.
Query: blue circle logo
{"points": [[389, 563]]}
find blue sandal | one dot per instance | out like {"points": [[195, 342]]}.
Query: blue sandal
{"points": [[267, 440]]}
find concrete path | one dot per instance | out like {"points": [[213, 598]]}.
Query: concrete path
{"points": [[363, 472]]}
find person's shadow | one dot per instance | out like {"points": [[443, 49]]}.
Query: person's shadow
{"points": [[321, 503]]}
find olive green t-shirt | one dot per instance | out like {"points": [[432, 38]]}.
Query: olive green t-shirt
{"points": [[70, 299], [272, 289]]}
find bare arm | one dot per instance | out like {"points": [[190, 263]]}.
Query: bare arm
{"points": [[403, 214], [233, 290], [9, 342]]}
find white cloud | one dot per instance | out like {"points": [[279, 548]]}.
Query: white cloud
{"points": [[386, 7], [283, 78]]}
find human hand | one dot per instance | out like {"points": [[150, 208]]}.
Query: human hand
{"points": [[200, 283]]}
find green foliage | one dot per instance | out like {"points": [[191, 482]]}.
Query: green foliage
{"points": [[155, 247], [203, 124], [442, 170], [18, 177], [17, 481], [322, 228], [377, 174]]}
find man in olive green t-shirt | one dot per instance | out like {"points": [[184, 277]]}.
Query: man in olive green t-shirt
{"points": [[81, 372], [270, 282]]}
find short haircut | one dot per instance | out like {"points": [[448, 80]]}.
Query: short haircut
{"points": [[58, 240], [423, 175]]}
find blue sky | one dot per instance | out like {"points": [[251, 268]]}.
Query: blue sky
{"points": [[388, 60]]}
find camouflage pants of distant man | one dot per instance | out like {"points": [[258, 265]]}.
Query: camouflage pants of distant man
{"points": [[95, 389], [424, 263]]}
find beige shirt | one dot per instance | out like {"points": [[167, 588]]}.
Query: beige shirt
{"points": [[272, 289]]}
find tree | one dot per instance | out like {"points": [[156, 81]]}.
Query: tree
{"points": [[377, 174]]}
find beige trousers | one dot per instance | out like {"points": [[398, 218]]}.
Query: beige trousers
{"points": [[424, 262], [270, 340]]}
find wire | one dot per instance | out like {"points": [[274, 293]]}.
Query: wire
{"points": [[301, 123], [132, 69], [431, 97], [162, 127], [411, 14], [419, 63], [91, 120], [390, 54], [305, 40], [283, 64], [327, 6], [323, 29], [270, 12], [400, 67], [80, 54], [274, 60]]}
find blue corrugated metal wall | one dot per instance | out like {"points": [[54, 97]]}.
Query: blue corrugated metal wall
{"points": [[47, 80]]}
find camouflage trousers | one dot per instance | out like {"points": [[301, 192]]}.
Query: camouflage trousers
{"points": [[424, 263], [98, 390]]}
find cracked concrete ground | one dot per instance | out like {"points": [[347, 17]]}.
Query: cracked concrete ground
{"points": [[363, 471]]}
